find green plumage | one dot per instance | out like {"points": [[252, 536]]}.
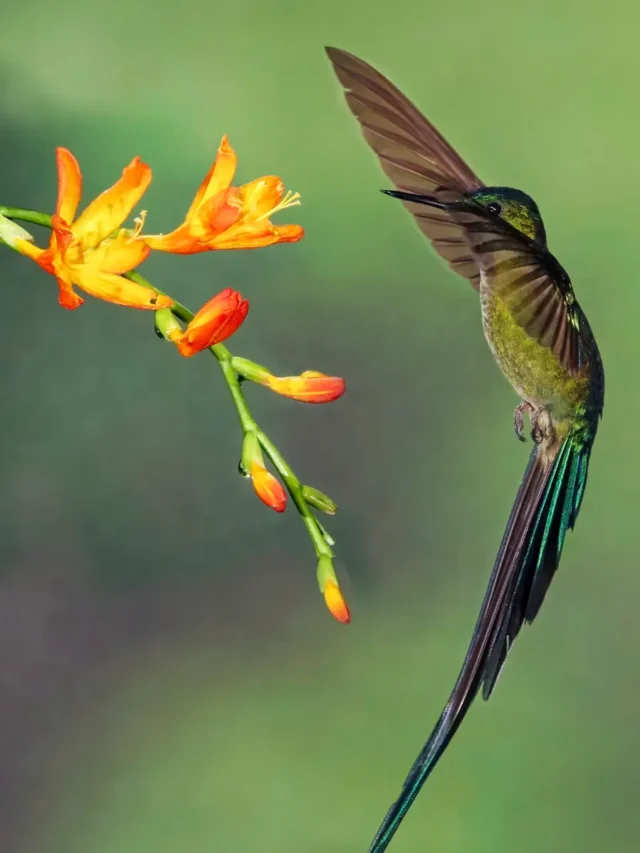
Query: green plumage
{"points": [[542, 341]]}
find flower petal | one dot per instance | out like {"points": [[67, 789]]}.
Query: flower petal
{"points": [[120, 254], [267, 488], [109, 210], [69, 184], [178, 242], [218, 177], [249, 236], [310, 387], [117, 289], [259, 197], [67, 297], [217, 214], [61, 237], [336, 605], [217, 320], [42, 257]]}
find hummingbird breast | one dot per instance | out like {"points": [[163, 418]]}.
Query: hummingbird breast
{"points": [[533, 370]]}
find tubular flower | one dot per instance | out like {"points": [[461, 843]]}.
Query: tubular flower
{"points": [[216, 321], [336, 605], [226, 217], [328, 583], [86, 252], [310, 387], [267, 488]]}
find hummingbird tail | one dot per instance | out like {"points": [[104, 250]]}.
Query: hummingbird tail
{"points": [[545, 507]]}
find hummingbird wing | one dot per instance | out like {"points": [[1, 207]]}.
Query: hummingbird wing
{"points": [[529, 280], [413, 155]]}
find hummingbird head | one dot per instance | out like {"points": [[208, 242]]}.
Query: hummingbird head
{"points": [[515, 207]]}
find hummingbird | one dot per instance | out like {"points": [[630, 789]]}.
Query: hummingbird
{"points": [[494, 236]]}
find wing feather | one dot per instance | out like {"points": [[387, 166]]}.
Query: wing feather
{"points": [[412, 153]]}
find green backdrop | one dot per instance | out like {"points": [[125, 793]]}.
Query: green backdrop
{"points": [[170, 680]]}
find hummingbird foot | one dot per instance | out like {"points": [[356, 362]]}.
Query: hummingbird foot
{"points": [[542, 428], [518, 418]]}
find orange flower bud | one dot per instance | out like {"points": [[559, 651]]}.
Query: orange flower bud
{"points": [[216, 321], [267, 488], [310, 387], [336, 604]]}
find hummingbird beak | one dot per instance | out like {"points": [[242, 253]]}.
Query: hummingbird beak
{"points": [[461, 206], [431, 200]]}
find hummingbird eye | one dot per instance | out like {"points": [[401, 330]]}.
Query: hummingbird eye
{"points": [[494, 208]]}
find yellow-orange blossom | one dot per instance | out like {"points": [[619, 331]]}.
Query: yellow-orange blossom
{"points": [[85, 252], [226, 217]]}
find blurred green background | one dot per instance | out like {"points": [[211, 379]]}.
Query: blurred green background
{"points": [[170, 681]]}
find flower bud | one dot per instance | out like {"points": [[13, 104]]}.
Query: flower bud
{"points": [[328, 583], [216, 321], [318, 499], [267, 488]]}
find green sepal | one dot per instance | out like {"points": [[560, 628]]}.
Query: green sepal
{"points": [[10, 231], [250, 452], [325, 572], [318, 499], [166, 323]]}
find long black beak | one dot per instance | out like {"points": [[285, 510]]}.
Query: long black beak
{"points": [[431, 200], [462, 206]]}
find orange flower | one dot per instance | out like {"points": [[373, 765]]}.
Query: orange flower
{"points": [[216, 321], [226, 217], [336, 605], [328, 583], [267, 488], [310, 387], [85, 252]]}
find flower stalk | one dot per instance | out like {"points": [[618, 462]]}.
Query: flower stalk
{"points": [[204, 330]]}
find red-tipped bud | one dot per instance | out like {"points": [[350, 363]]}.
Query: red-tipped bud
{"points": [[336, 604], [216, 321], [310, 387], [328, 584], [267, 488]]}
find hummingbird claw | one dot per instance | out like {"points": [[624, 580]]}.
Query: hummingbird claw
{"points": [[518, 418], [542, 426]]}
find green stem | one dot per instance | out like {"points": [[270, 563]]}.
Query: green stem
{"points": [[247, 421], [33, 216]]}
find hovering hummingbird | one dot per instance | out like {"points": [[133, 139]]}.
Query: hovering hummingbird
{"points": [[540, 337]]}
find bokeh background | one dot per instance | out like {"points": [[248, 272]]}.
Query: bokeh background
{"points": [[169, 679]]}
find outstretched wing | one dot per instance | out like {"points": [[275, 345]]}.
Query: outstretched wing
{"points": [[529, 280], [412, 153]]}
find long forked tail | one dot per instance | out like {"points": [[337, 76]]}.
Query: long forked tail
{"points": [[546, 506]]}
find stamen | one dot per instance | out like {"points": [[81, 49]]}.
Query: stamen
{"points": [[139, 222], [290, 200]]}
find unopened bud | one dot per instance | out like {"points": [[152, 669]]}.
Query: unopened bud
{"points": [[318, 499]]}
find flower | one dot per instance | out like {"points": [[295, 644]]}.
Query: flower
{"points": [[336, 605], [86, 252], [226, 217], [216, 321], [267, 488], [310, 387], [328, 583]]}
